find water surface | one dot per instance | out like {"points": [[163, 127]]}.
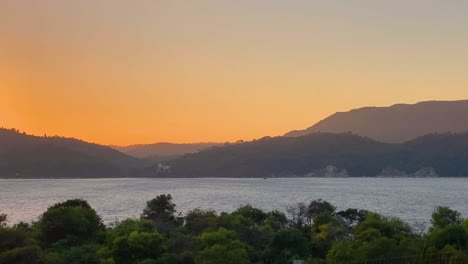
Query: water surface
{"points": [[411, 199]]}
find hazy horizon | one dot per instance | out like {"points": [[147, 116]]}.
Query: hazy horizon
{"points": [[144, 144], [125, 72]]}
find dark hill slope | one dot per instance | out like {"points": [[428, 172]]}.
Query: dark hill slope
{"points": [[397, 123], [308, 155], [25, 156]]}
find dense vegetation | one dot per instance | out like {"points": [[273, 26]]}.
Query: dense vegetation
{"points": [[71, 232], [26, 156], [444, 154]]}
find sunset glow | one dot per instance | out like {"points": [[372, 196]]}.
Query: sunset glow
{"points": [[126, 72]]}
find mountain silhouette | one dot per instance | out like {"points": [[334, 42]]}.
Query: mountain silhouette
{"points": [[397, 123], [26, 156], [163, 151], [327, 155]]}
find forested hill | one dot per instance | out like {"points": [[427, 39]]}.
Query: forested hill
{"points": [[26, 156], [313, 155], [397, 123], [327, 155]]}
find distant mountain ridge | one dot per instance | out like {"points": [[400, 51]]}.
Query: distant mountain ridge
{"points": [[397, 123], [163, 150], [313, 155], [327, 155], [26, 156]]}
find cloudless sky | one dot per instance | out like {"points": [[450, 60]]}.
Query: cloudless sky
{"points": [[123, 72]]}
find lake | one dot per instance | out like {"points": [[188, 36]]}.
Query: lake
{"points": [[411, 199]]}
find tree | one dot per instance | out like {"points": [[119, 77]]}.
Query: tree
{"points": [[221, 246], [161, 210], [277, 220], [449, 235], [342, 252], [197, 220], [388, 227], [245, 229], [74, 221], [22, 255], [3, 218], [286, 245], [254, 214], [137, 246], [352, 217], [319, 206], [298, 215], [126, 227], [323, 236], [17, 247], [86, 253], [381, 248], [444, 216], [465, 225]]}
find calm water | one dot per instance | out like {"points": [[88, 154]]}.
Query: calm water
{"points": [[410, 199]]}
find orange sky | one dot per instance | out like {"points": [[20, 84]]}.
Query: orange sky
{"points": [[125, 72]]}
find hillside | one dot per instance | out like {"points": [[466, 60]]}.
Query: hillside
{"points": [[163, 151], [397, 123], [327, 155], [25, 156]]}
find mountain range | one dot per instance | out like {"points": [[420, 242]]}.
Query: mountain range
{"points": [[397, 123], [424, 139], [327, 155], [163, 151]]}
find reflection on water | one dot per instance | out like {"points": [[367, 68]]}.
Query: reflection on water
{"points": [[410, 199]]}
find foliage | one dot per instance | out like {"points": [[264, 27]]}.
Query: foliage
{"points": [[73, 221], [161, 210], [27, 156], [221, 246], [3, 218], [72, 232], [286, 245], [444, 216], [310, 154]]}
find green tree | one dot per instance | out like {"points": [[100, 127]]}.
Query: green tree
{"points": [[277, 220], [324, 235], [254, 214], [161, 210], [74, 221], [221, 246], [449, 235], [128, 226], [137, 246], [341, 252], [387, 227], [86, 253], [18, 246], [197, 220], [465, 225], [352, 217], [444, 216], [318, 207], [380, 248], [286, 245], [22, 255]]}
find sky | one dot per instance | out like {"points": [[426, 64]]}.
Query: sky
{"points": [[126, 72]]}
